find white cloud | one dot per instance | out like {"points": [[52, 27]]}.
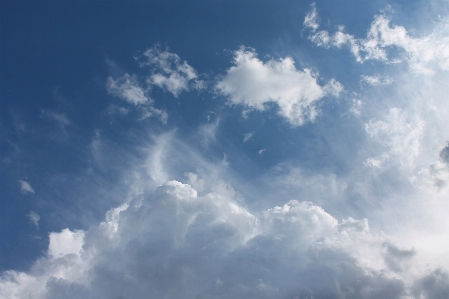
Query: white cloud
{"points": [[356, 107], [423, 54], [207, 132], [375, 80], [247, 136], [254, 84], [166, 71], [127, 88], [400, 135], [34, 218], [25, 187], [64, 243], [173, 243], [311, 19], [169, 72]]}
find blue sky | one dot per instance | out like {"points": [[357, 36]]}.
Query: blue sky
{"points": [[224, 149]]}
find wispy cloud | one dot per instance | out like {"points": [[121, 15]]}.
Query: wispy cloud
{"points": [[25, 187], [248, 136], [34, 219], [375, 80], [169, 72], [127, 88], [422, 53], [400, 134], [60, 118]]}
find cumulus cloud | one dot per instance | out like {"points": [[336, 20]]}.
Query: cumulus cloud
{"points": [[255, 84], [25, 187], [65, 243], [173, 243], [422, 53], [169, 72]]}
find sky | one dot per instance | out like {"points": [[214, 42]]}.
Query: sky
{"points": [[224, 149]]}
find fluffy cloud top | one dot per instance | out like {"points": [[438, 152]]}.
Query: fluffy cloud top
{"points": [[254, 84], [423, 54], [172, 243]]}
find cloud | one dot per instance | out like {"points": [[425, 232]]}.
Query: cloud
{"points": [[399, 134], [114, 109], [356, 107], [247, 136], [172, 243], [444, 154], [255, 84], [423, 54], [34, 218], [166, 71], [207, 132], [169, 72], [437, 174], [127, 88], [60, 118], [375, 80], [311, 19], [25, 187], [65, 243], [435, 285]]}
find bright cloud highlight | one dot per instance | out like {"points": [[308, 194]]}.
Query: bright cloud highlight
{"points": [[254, 84], [173, 243]]}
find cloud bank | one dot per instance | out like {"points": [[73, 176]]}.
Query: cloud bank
{"points": [[173, 243]]}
